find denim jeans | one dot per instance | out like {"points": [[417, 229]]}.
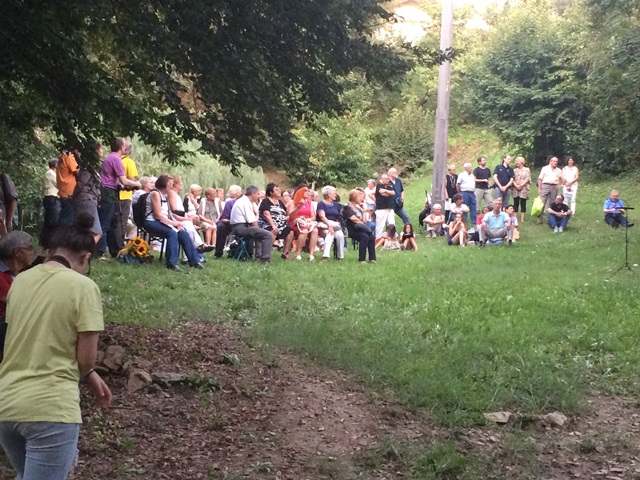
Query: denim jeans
{"points": [[469, 199], [109, 213], [400, 211], [173, 240], [66, 211], [555, 222], [40, 450]]}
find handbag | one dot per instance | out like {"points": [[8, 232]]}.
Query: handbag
{"points": [[537, 207]]}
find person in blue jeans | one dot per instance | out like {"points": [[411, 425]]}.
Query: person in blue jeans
{"points": [[614, 211], [54, 318], [159, 222], [559, 214]]}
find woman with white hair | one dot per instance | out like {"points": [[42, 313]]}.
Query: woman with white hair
{"points": [[329, 214]]}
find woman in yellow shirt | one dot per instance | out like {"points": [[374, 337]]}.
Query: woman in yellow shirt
{"points": [[54, 316]]}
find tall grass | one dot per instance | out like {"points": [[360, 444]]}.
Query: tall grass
{"points": [[202, 169]]}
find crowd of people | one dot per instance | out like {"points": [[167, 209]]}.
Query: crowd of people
{"points": [[48, 346]]}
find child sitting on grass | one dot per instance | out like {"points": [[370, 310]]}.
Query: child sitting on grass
{"points": [[408, 238], [389, 240]]}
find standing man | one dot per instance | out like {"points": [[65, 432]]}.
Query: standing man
{"points": [[385, 204], [244, 223], [112, 172], [548, 181], [50, 200], [66, 173], [483, 192], [467, 188], [396, 183], [614, 211], [126, 194], [503, 176]]}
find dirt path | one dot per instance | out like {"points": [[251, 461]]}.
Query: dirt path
{"points": [[250, 415]]}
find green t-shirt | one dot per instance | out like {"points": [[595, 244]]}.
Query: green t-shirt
{"points": [[46, 308]]}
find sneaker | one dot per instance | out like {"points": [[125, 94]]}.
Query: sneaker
{"points": [[372, 261], [363, 261], [298, 257], [205, 248], [198, 266], [325, 259], [285, 256], [174, 268], [560, 229], [630, 225], [481, 244], [556, 229], [510, 242], [104, 257], [311, 258]]}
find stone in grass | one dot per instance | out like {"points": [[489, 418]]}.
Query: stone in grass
{"points": [[138, 380], [498, 417], [555, 419]]}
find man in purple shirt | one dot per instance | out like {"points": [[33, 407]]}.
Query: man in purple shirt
{"points": [[224, 225], [112, 175]]}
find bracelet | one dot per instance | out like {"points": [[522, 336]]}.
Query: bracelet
{"points": [[84, 379]]}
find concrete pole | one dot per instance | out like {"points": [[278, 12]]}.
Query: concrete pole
{"points": [[441, 139]]}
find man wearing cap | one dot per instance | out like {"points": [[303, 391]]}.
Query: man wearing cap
{"points": [[244, 223]]}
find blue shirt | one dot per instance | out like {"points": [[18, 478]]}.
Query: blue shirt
{"points": [[609, 204], [397, 186], [332, 211], [495, 221]]}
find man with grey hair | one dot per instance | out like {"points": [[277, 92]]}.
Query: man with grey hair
{"points": [[16, 254], [398, 207], [385, 202], [224, 225], [466, 186], [496, 225], [244, 223]]}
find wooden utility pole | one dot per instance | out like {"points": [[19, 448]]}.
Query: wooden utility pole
{"points": [[441, 140]]}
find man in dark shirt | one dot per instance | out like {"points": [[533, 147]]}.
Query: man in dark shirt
{"points": [[503, 176], [385, 203], [224, 225], [483, 192], [559, 214]]}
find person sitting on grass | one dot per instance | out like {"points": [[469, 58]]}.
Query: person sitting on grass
{"points": [[409, 238], [513, 216], [457, 206], [425, 211], [159, 222], [458, 234], [559, 214], [435, 222], [390, 240], [614, 211], [496, 225], [357, 228]]}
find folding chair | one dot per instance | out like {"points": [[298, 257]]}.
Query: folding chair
{"points": [[242, 253]]}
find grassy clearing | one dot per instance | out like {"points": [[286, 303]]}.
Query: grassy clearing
{"points": [[453, 331]]}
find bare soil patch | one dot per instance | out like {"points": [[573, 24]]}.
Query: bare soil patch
{"points": [[252, 413]]}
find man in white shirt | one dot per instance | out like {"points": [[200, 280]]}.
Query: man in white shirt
{"points": [[548, 181], [244, 223], [467, 187]]}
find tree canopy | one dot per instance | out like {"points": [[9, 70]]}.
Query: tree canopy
{"points": [[232, 74]]}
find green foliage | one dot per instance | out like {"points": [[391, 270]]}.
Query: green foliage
{"points": [[203, 169], [522, 85], [232, 75]]}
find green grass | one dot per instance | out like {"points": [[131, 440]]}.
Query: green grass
{"points": [[455, 332]]}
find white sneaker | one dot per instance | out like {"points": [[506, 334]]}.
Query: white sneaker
{"points": [[560, 229], [311, 258], [555, 229], [298, 257]]}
